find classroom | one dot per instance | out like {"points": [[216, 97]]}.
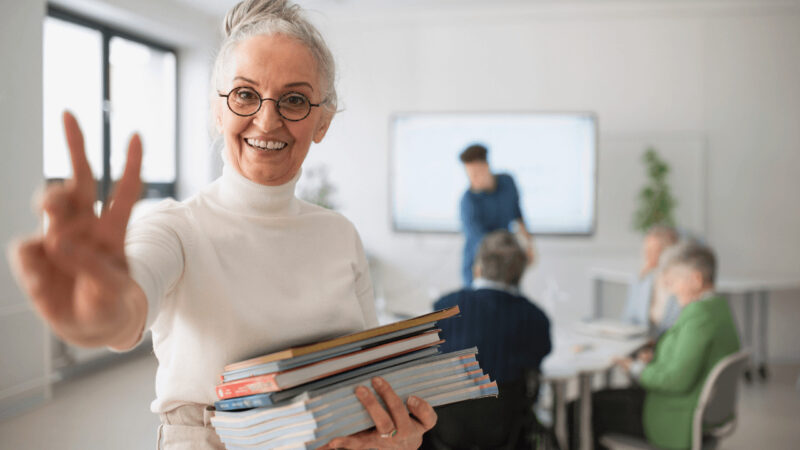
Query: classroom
{"points": [[599, 194]]}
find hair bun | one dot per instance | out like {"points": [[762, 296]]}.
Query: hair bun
{"points": [[250, 11]]}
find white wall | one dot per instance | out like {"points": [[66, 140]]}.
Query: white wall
{"points": [[22, 338], [724, 74]]}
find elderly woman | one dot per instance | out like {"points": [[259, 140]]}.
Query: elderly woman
{"points": [[240, 268]]}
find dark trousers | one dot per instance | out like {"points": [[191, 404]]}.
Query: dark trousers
{"points": [[486, 423], [613, 411]]}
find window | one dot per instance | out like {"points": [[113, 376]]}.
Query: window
{"points": [[115, 84]]}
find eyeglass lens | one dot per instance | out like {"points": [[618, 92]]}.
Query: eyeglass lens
{"points": [[292, 106]]}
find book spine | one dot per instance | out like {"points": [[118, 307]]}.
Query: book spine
{"points": [[249, 386], [234, 404]]}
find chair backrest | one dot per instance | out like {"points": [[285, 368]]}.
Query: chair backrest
{"points": [[717, 403]]}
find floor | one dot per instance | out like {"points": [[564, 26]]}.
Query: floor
{"points": [[109, 409]]}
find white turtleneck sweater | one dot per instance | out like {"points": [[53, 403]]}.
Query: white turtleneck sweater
{"points": [[240, 270]]}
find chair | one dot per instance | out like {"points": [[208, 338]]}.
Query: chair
{"points": [[715, 414], [506, 422]]}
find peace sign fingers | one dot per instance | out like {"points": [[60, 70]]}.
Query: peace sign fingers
{"points": [[127, 191], [82, 183]]}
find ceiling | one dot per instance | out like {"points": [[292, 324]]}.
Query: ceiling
{"points": [[218, 8]]}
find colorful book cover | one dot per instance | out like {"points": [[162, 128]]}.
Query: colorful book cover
{"points": [[291, 363], [344, 340], [316, 387], [421, 377], [286, 379]]}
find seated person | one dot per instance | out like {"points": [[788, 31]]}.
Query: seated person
{"points": [[661, 407], [648, 302], [512, 335]]}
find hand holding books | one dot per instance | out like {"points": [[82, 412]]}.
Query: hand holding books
{"points": [[393, 429], [377, 387]]}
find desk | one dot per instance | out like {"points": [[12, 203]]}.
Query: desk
{"points": [[563, 364], [749, 289], [758, 290]]}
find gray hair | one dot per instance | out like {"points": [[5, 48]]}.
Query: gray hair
{"points": [[501, 258], [666, 234], [251, 18], [695, 256]]}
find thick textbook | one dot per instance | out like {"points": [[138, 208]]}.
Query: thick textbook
{"points": [[314, 418], [283, 380], [422, 367], [272, 398], [310, 433], [291, 363], [343, 342]]}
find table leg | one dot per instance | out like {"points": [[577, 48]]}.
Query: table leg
{"points": [[560, 413], [747, 323], [586, 441], [762, 333]]}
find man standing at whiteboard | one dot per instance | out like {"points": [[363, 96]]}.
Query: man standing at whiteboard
{"points": [[491, 203]]}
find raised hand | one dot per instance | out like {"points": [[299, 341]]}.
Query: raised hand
{"points": [[76, 273]]}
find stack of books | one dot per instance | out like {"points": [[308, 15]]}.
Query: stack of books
{"points": [[303, 397]]}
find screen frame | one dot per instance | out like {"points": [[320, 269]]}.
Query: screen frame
{"points": [[392, 176]]}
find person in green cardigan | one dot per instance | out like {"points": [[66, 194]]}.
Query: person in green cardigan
{"points": [[661, 407]]}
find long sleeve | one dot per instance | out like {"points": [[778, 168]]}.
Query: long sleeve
{"points": [[679, 358], [155, 257]]}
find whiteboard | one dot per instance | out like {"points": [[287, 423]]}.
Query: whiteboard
{"points": [[552, 157]]}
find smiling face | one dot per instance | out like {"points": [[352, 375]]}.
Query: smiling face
{"points": [[266, 148]]}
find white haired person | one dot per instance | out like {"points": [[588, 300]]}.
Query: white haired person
{"points": [[240, 268], [660, 407], [649, 304]]}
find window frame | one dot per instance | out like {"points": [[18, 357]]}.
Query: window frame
{"points": [[106, 184]]}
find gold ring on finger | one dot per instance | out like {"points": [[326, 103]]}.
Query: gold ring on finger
{"points": [[389, 434]]}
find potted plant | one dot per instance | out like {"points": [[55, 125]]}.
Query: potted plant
{"points": [[656, 203]]}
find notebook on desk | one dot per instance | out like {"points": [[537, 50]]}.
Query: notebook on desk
{"points": [[610, 328]]}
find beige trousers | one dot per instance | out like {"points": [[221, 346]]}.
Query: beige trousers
{"points": [[188, 427]]}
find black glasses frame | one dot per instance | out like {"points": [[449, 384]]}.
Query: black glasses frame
{"points": [[277, 103]]}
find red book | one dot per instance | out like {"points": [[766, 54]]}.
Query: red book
{"points": [[278, 381]]}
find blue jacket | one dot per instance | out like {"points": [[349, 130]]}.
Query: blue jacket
{"points": [[637, 307], [511, 333], [484, 212]]}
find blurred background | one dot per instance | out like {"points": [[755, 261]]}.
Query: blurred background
{"points": [[711, 86]]}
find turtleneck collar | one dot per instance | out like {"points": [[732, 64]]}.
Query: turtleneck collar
{"points": [[241, 195]]}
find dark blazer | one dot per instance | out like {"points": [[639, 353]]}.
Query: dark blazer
{"points": [[511, 333]]}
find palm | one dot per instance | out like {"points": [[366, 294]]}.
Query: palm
{"points": [[76, 271]]}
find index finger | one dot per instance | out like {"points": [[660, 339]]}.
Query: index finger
{"points": [[393, 402], [82, 172]]}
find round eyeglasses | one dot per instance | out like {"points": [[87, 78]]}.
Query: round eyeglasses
{"points": [[292, 106]]}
